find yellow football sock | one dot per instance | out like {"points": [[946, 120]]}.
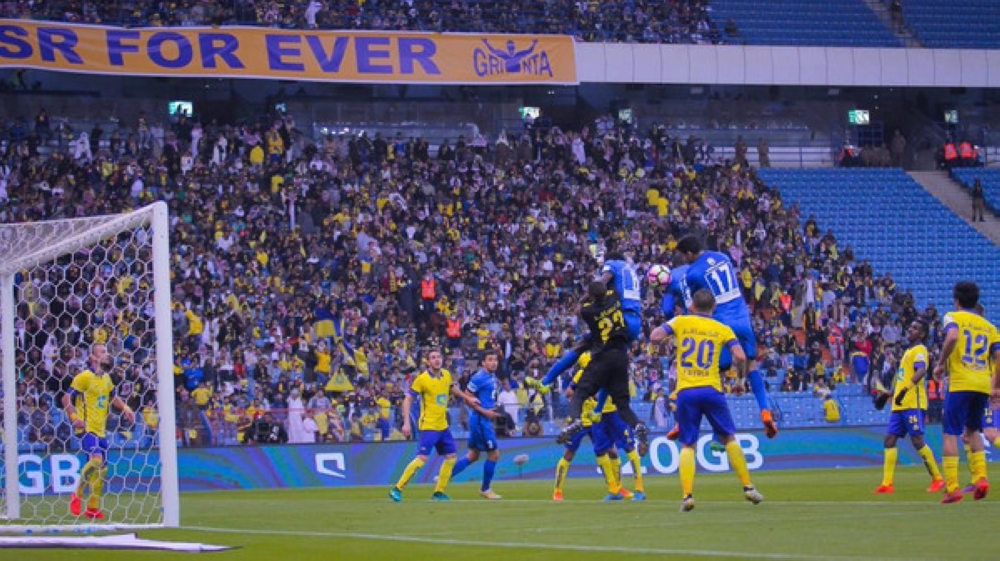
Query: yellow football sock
{"points": [[562, 468], [968, 456], [633, 457], [927, 455], [950, 469], [889, 455], [411, 469], [738, 462], [85, 475], [686, 471], [607, 466], [616, 470], [444, 474], [96, 488], [977, 465]]}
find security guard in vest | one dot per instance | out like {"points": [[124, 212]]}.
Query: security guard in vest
{"points": [[967, 154], [950, 155]]}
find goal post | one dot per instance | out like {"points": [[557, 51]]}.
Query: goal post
{"points": [[66, 285]]}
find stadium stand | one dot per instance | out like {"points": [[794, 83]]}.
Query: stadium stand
{"points": [[849, 23], [973, 24], [638, 21], [990, 179], [887, 217], [333, 304]]}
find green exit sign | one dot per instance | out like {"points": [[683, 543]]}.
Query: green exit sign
{"points": [[858, 117]]}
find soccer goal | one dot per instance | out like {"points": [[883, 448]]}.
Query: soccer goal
{"points": [[66, 286]]}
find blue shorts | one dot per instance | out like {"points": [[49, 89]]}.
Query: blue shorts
{"points": [[482, 437], [746, 337], [964, 410], [617, 431], [708, 402], [633, 321], [92, 444], [906, 422], [440, 440]]}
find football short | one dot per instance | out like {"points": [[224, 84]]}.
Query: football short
{"points": [[440, 440], [906, 422], [746, 337], [608, 370], [633, 321], [618, 431], [695, 403], [482, 436], [964, 410], [92, 444]]}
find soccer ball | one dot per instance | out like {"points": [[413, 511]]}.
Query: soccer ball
{"points": [[658, 275]]}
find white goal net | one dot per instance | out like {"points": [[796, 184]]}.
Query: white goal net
{"points": [[68, 287]]}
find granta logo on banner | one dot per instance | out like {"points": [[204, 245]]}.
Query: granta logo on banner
{"points": [[491, 60]]}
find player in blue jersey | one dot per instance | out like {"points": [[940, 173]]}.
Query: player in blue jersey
{"points": [[619, 274], [481, 395], [715, 272]]}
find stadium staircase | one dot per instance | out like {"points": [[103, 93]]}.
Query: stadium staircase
{"points": [[881, 10], [899, 227], [959, 200], [845, 23]]}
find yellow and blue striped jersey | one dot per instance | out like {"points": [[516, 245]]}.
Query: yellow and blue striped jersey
{"points": [[700, 341], [916, 397], [433, 392], [969, 365], [95, 393]]}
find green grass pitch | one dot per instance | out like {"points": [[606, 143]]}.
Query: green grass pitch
{"points": [[807, 515]]}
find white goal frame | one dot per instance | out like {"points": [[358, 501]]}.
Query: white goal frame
{"points": [[155, 217]]}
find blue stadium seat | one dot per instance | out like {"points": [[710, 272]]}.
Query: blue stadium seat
{"points": [[847, 23], [924, 245], [969, 24]]}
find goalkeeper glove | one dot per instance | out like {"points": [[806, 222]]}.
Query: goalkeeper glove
{"points": [[899, 397]]}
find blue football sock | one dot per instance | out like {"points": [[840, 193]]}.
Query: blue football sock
{"points": [[489, 469], [460, 465], [561, 365], [758, 388]]}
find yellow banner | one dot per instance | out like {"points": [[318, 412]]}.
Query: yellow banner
{"points": [[253, 52]]}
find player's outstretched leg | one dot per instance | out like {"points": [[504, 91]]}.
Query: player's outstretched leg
{"points": [[396, 492]]}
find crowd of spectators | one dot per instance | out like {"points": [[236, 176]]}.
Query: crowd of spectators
{"points": [[631, 21], [308, 276]]}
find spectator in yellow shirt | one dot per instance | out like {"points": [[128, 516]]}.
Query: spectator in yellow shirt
{"points": [[831, 410]]}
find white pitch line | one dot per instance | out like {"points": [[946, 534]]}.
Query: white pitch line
{"points": [[932, 500], [535, 546]]}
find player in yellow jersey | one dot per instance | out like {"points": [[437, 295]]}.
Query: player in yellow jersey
{"points": [[700, 340], [971, 356], [434, 385], [91, 390], [909, 404]]}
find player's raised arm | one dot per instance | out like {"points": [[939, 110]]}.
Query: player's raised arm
{"points": [[661, 333]]}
